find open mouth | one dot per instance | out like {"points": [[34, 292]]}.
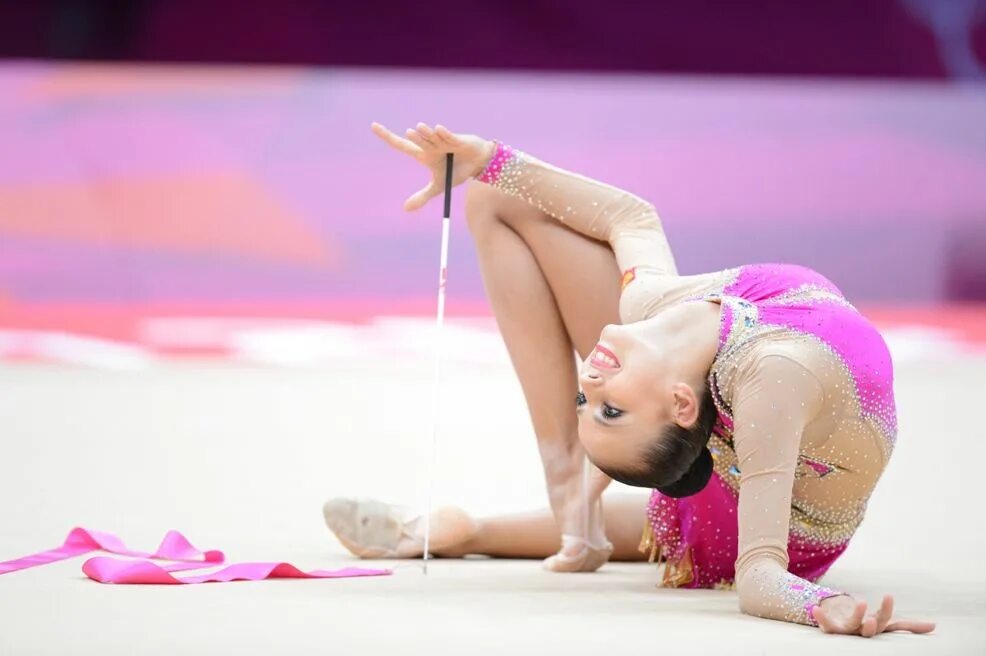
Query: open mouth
{"points": [[603, 358]]}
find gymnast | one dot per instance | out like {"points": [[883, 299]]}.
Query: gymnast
{"points": [[756, 403]]}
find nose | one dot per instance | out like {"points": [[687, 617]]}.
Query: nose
{"points": [[612, 331], [590, 377]]}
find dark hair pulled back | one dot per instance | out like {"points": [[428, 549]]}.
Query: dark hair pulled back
{"points": [[677, 462]]}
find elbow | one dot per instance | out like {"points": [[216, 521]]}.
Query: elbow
{"points": [[647, 216], [634, 213]]}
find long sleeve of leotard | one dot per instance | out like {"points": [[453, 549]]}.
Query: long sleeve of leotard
{"points": [[630, 225], [776, 398]]}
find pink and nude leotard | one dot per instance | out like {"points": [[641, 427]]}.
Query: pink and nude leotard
{"points": [[803, 385]]}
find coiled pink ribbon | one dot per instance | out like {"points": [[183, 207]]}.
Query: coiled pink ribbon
{"points": [[174, 547]]}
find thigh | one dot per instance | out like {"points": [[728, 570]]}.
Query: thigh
{"points": [[581, 272], [530, 322]]}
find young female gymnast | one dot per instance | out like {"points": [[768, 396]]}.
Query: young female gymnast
{"points": [[756, 402]]}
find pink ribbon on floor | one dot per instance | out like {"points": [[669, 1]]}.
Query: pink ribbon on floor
{"points": [[174, 547]]}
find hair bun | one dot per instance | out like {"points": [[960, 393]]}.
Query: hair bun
{"points": [[693, 480]]}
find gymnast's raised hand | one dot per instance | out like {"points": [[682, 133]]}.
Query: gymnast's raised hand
{"points": [[429, 147]]}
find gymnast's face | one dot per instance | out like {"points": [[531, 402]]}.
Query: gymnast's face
{"points": [[628, 398]]}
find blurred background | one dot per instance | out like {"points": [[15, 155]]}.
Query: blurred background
{"points": [[197, 178], [214, 314]]}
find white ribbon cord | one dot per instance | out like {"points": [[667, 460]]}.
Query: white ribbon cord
{"points": [[436, 390]]}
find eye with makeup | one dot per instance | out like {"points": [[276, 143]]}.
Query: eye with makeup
{"points": [[608, 411]]}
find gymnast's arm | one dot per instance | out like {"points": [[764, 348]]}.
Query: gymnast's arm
{"points": [[630, 224], [775, 401], [773, 404]]}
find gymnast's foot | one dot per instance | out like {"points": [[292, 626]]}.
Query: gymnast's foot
{"points": [[372, 529], [579, 555]]}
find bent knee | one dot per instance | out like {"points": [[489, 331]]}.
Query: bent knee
{"points": [[486, 205], [481, 206]]}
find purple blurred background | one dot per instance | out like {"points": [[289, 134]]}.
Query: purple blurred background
{"points": [[937, 39], [845, 136]]}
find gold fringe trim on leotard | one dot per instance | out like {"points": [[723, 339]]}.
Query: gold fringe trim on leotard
{"points": [[676, 572], [648, 545]]}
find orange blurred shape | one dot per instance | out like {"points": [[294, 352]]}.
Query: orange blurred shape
{"points": [[107, 80], [221, 212]]}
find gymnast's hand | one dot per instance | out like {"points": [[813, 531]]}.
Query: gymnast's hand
{"points": [[843, 614], [429, 146]]}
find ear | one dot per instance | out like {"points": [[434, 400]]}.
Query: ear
{"points": [[684, 410]]}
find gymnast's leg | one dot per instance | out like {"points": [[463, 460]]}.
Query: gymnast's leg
{"points": [[535, 534], [545, 307]]}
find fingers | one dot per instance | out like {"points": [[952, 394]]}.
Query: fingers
{"points": [[910, 625], [394, 141], [428, 134], [425, 137], [887, 625], [884, 614], [879, 622], [419, 138], [416, 137], [856, 620], [417, 200], [447, 136]]}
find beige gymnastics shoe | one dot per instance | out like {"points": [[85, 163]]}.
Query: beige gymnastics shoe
{"points": [[372, 529], [578, 555]]}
